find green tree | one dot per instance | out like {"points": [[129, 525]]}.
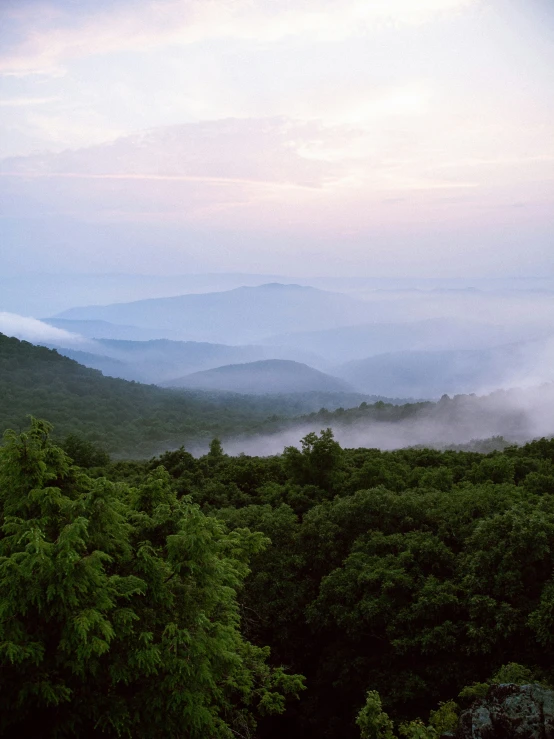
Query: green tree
{"points": [[372, 720], [84, 453], [118, 607], [318, 463]]}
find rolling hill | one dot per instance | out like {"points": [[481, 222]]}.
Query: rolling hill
{"points": [[125, 417], [132, 419], [272, 376], [135, 420], [159, 360]]}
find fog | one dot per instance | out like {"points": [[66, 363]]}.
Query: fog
{"points": [[37, 332], [517, 415]]}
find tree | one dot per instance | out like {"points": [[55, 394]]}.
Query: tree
{"points": [[84, 453], [318, 463], [372, 720], [118, 607]]}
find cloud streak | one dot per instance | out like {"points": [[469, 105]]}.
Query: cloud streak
{"points": [[54, 37], [37, 332]]}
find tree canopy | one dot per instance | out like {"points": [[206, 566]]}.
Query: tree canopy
{"points": [[119, 612], [140, 597]]}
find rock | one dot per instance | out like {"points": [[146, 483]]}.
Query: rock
{"points": [[510, 712]]}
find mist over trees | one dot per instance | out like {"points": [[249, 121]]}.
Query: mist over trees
{"points": [[138, 420]]}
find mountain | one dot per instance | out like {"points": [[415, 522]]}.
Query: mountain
{"points": [[136, 420], [129, 418], [240, 316], [45, 294], [263, 377], [348, 343], [420, 374], [106, 330], [160, 360], [107, 365], [125, 417]]}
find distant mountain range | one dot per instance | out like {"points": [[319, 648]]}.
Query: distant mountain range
{"points": [[160, 360], [430, 374], [270, 376], [165, 340], [241, 316], [346, 343], [46, 294], [404, 374], [131, 417]]}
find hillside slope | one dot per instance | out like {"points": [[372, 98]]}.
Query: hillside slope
{"points": [[132, 419], [160, 360], [123, 416], [266, 376]]}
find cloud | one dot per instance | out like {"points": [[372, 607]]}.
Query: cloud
{"points": [[250, 150], [37, 332], [189, 172], [27, 102], [297, 178], [50, 35]]}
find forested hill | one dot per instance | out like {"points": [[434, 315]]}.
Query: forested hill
{"points": [[135, 420], [131, 418], [123, 416], [269, 376]]}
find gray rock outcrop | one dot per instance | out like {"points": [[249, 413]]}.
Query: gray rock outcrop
{"points": [[510, 711]]}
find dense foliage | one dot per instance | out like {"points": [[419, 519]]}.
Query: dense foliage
{"points": [[395, 582], [413, 573], [118, 607]]}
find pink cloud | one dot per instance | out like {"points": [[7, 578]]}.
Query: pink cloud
{"points": [[48, 37]]}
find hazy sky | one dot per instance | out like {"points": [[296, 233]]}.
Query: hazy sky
{"points": [[377, 137]]}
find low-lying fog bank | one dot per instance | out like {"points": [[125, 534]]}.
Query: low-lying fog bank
{"points": [[516, 415]]}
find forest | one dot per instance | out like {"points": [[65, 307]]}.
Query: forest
{"points": [[325, 591]]}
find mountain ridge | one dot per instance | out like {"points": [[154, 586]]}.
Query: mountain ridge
{"points": [[243, 315]]}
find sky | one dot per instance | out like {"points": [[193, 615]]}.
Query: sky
{"points": [[328, 137]]}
